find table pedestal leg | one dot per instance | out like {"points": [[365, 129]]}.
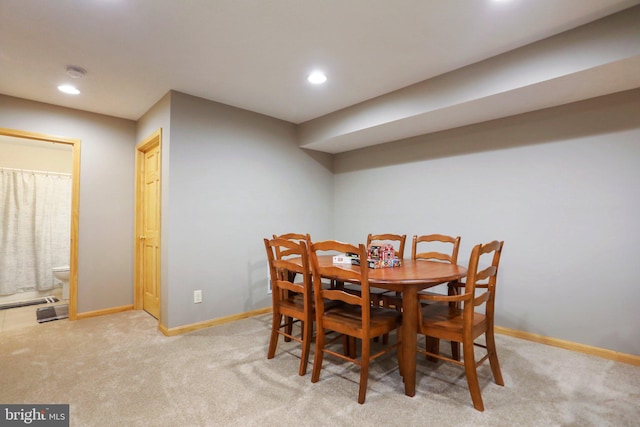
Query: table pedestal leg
{"points": [[409, 338]]}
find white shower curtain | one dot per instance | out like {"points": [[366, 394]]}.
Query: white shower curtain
{"points": [[35, 210]]}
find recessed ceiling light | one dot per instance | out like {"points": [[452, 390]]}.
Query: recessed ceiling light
{"points": [[71, 90], [317, 77]]}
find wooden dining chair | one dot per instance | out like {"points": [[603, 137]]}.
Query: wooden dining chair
{"points": [[464, 324], [292, 302], [431, 247], [446, 252], [296, 237], [355, 317], [284, 253], [399, 242]]}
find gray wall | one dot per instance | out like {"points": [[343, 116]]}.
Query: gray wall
{"points": [[561, 186], [105, 260], [234, 177]]}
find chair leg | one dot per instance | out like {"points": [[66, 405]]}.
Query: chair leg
{"points": [[493, 357], [349, 346], [364, 369], [353, 347], [317, 358], [288, 328], [275, 327], [455, 350], [307, 333], [455, 346], [432, 345], [472, 376], [345, 345]]}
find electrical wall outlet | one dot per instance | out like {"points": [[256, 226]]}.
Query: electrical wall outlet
{"points": [[197, 296]]}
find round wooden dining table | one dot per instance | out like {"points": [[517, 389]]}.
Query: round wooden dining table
{"points": [[409, 278]]}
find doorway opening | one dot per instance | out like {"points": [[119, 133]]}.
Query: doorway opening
{"points": [[23, 139]]}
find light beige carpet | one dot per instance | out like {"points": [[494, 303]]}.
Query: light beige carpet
{"points": [[118, 370]]}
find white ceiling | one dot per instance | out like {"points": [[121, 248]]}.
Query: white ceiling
{"points": [[256, 54]]}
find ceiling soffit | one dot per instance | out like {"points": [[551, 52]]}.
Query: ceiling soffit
{"points": [[592, 60]]}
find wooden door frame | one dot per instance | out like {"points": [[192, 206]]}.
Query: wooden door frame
{"points": [[138, 292], [75, 206]]}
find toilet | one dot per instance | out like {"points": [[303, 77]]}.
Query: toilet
{"points": [[62, 274]]}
